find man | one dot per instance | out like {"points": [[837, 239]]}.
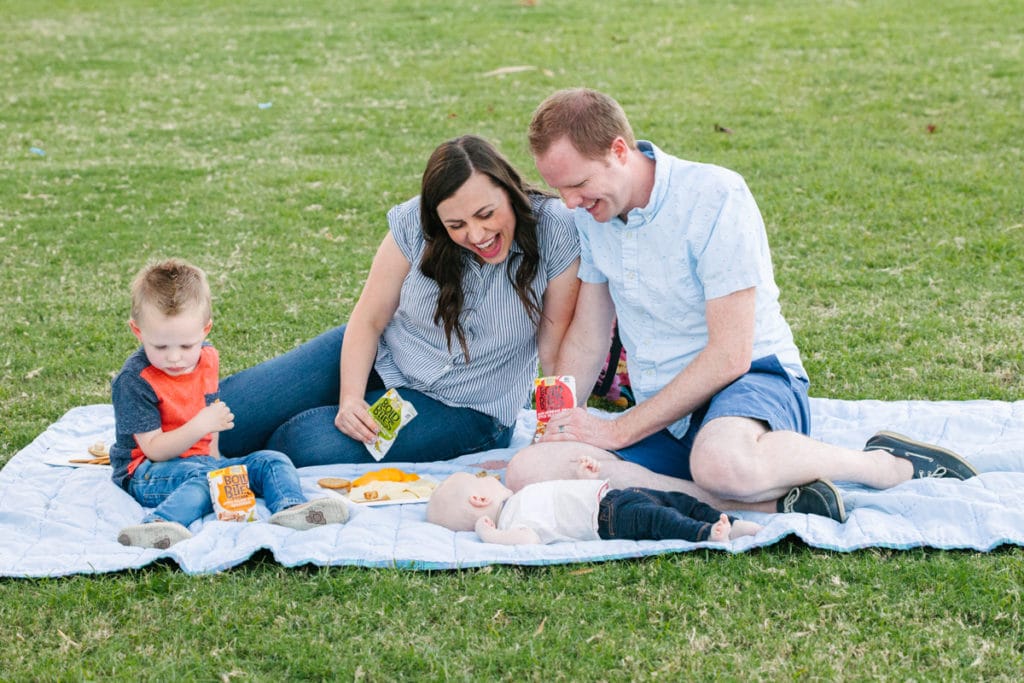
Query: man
{"points": [[677, 251]]}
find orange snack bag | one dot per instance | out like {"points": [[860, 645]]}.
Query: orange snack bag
{"points": [[233, 500], [552, 394]]}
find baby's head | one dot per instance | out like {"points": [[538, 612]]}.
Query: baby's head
{"points": [[463, 498]]}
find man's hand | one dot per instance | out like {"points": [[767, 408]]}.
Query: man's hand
{"points": [[579, 425]]}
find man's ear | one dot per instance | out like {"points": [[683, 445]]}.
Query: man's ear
{"points": [[620, 149], [479, 501], [135, 329]]}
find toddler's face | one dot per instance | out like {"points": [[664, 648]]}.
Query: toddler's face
{"points": [[172, 343]]}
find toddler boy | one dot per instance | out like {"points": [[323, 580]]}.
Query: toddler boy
{"points": [[168, 416]]}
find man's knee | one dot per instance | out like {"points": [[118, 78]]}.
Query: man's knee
{"points": [[727, 472]]}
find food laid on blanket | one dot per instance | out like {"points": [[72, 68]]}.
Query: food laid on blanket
{"points": [[391, 484], [552, 395], [385, 474], [391, 413], [99, 453], [335, 484], [233, 500]]}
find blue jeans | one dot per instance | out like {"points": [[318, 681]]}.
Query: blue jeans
{"points": [[645, 514], [288, 404], [179, 491]]}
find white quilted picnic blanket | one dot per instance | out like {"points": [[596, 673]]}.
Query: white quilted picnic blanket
{"points": [[60, 520]]}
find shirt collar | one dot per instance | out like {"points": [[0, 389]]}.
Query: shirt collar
{"points": [[644, 214]]}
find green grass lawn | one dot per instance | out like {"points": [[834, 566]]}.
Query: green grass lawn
{"points": [[265, 141]]}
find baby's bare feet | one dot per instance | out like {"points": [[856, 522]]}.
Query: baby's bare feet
{"points": [[742, 527], [720, 530]]}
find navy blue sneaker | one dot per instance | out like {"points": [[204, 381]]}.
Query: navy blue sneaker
{"points": [[820, 497], [928, 460]]}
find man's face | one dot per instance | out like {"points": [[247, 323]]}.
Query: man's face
{"points": [[599, 186]]}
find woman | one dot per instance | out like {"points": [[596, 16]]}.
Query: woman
{"points": [[474, 281]]}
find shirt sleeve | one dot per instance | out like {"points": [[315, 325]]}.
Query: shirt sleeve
{"points": [[404, 223], [135, 405], [557, 236], [588, 271]]}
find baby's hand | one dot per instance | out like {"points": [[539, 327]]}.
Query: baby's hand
{"points": [[587, 467], [483, 524], [216, 417]]}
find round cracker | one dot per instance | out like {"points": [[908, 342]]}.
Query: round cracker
{"points": [[336, 483]]}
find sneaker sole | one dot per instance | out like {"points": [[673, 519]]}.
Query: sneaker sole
{"points": [[159, 535], [315, 513], [840, 507]]}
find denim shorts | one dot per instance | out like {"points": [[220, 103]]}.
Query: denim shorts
{"points": [[767, 393]]}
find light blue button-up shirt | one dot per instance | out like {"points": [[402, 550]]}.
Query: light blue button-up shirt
{"points": [[700, 237]]}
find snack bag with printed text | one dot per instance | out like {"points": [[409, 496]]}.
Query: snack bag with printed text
{"points": [[233, 500], [391, 413], [552, 394]]}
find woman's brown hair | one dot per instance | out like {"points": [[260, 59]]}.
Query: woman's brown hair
{"points": [[448, 168]]}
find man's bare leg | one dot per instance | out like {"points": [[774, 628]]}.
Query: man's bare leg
{"points": [[561, 460], [738, 457]]}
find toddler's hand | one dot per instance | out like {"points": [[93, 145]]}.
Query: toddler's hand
{"points": [[216, 417]]}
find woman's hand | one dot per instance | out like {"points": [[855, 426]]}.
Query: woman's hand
{"points": [[353, 419]]}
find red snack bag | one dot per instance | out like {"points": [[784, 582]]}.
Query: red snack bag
{"points": [[552, 395]]}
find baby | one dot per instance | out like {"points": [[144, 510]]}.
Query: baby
{"points": [[580, 509]]}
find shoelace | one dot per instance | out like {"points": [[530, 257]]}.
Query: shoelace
{"points": [[938, 473], [791, 498]]}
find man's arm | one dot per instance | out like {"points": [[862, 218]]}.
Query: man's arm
{"points": [[726, 357]]}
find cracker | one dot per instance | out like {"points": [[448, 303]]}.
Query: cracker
{"points": [[335, 483]]}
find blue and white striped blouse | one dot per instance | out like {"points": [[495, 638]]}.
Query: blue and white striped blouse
{"points": [[502, 340]]}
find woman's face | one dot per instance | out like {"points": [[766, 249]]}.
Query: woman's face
{"points": [[479, 218]]}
